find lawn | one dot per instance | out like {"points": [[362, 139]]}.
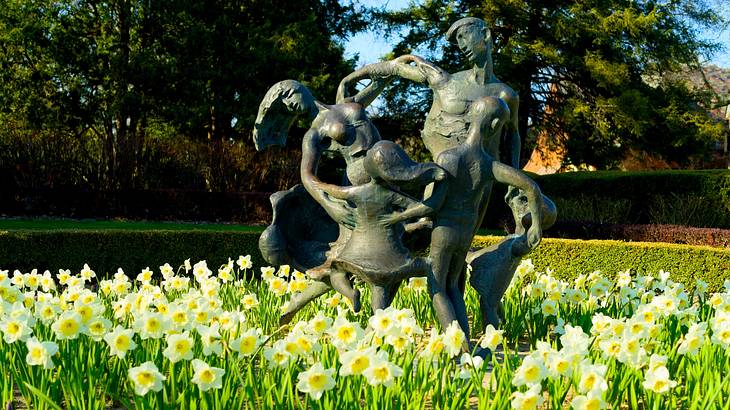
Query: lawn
{"points": [[39, 224]]}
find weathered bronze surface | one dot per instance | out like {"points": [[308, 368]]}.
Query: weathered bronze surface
{"points": [[356, 230]]}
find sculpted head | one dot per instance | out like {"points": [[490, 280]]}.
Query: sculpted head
{"points": [[473, 38]]}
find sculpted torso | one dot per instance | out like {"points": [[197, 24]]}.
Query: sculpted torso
{"points": [[448, 121]]}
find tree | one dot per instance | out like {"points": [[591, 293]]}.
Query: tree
{"points": [[590, 74], [113, 72]]}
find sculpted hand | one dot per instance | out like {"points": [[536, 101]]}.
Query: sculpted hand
{"points": [[388, 219], [340, 212]]}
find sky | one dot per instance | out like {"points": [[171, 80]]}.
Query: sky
{"points": [[371, 46]]}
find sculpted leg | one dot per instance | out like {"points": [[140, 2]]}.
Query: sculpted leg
{"points": [[440, 261], [343, 285], [298, 301], [378, 297], [456, 273]]}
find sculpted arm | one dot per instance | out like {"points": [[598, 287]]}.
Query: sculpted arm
{"points": [[410, 67], [512, 132], [516, 178], [433, 199], [311, 152]]}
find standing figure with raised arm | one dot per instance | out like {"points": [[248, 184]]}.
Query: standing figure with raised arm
{"points": [[448, 120], [472, 173]]}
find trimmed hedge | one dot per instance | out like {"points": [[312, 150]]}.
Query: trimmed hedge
{"points": [[151, 204], [107, 250], [692, 198], [570, 257]]}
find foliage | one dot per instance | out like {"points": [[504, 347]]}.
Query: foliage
{"points": [[693, 198], [108, 76], [686, 263], [108, 250], [591, 74]]}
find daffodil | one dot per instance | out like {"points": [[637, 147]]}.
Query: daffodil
{"points": [[492, 338], [68, 326], [592, 378], [247, 343], [249, 301], [591, 401], [454, 339], [528, 400], [355, 362], [207, 377], [381, 371], [345, 334], [244, 262], [120, 341], [151, 325], [40, 353], [657, 380], [531, 372], [315, 381], [15, 329], [179, 347], [146, 377]]}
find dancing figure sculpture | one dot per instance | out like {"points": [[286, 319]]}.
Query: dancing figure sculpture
{"points": [[471, 126]]}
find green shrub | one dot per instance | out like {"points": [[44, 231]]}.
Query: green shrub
{"points": [[107, 250], [693, 198], [569, 258]]}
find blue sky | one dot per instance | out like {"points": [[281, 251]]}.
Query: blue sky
{"points": [[371, 46]]}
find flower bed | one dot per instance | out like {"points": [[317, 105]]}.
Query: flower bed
{"points": [[203, 338]]}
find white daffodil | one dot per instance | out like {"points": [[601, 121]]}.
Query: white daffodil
{"points": [[249, 301], [381, 371], [277, 355], [492, 338], [207, 377], [454, 339], [657, 380], [179, 347], [247, 343], [355, 362], [210, 338], [120, 341], [592, 378], [591, 401], [345, 334], [528, 400], [575, 340], [315, 381], [531, 372], [151, 325], [68, 325], [146, 377], [40, 353], [693, 340], [319, 324], [97, 327], [15, 329], [244, 262], [167, 271]]}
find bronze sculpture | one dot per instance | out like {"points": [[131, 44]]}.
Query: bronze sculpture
{"points": [[472, 120]]}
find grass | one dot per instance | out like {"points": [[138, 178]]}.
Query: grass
{"points": [[42, 224]]}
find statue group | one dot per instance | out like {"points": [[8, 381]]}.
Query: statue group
{"points": [[366, 227]]}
